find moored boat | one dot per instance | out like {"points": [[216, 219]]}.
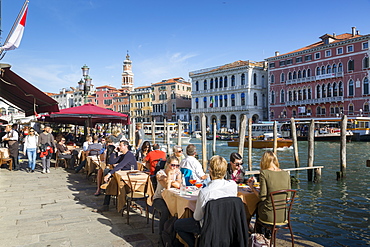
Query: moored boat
{"points": [[264, 141]]}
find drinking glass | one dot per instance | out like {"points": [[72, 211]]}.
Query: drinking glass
{"points": [[192, 179]]}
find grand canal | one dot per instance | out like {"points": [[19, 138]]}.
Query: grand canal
{"points": [[331, 213]]}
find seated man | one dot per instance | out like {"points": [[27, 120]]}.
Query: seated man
{"points": [[235, 170], [152, 158], [92, 151], [217, 188], [190, 165]]}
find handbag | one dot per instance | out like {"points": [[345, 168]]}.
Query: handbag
{"points": [[258, 240]]}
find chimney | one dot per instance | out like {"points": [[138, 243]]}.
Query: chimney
{"points": [[277, 53], [353, 31], [334, 35], [358, 32]]}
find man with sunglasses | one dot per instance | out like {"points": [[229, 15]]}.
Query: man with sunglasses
{"points": [[178, 152], [235, 169]]}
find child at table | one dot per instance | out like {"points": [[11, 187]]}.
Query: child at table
{"points": [[168, 177]]}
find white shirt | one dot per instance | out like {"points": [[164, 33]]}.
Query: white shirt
{"points": [[12, 135], [30, 142], [216, 189], [191, 163]]}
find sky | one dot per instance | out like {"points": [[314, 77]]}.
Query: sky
{"points": [[165, 38]]}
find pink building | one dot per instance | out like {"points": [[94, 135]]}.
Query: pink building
{"points": [[324, 79], [104, 96]]}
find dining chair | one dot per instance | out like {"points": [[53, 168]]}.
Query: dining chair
{"points": [[59, 159], [5, 159], [138, 183], [282, 204]]}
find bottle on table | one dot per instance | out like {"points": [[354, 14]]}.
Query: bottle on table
{"points": [[183, 187]]}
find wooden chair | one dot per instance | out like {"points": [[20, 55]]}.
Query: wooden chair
{"points": [[138, 183], [58, 159], [5, 159], [282, 204]]}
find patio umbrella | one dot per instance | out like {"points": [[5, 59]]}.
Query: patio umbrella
{"points": [[91, 113]]}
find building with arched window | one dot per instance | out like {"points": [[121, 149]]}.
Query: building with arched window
{"points": [[239, 88], [325, 79]]}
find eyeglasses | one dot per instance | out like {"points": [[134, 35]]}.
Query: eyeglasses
{"points": [[179, 151], [175, 165], [239, 164], [32, 131], [63, 140]]}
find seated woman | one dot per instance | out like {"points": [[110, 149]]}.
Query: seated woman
{"points": [[168, 177], [235, 170], [144, 150], [272, 178], [65, 153]]}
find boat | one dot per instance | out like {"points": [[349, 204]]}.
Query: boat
{"points": [[264, 141], [329, 137]]}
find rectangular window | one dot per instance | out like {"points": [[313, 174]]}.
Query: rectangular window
{"points": [[289, 61], [271, 65], [308, 58], [365, 45], [340, 50], [281, 63], [298, 60], [328, 53], [317, 55], [350, 48]]}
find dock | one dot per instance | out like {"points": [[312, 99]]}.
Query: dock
{"points": [[59, 209]]}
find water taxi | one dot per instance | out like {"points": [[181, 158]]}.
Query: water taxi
{"points": [[264, 141]]}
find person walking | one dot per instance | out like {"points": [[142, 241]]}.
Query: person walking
{"points": [[12, 137], [46, 147], [29, 148]]}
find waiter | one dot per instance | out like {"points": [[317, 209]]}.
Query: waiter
{"points": [[12, 138]]}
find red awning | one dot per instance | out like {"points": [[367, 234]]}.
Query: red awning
{"points": [[92, 113], [24, 95]]}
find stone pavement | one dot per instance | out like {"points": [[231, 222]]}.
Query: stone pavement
{"points": [[57, 209]]}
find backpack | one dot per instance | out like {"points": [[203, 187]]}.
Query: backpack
{"points": [[168, 233]]}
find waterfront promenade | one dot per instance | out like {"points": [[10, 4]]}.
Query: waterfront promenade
{"points": [[58, 209]]}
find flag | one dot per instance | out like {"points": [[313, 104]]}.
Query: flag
{"points": [[212, 102], [15, 37]]}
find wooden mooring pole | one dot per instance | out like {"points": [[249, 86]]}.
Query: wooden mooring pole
{"points": [[179, 133], [169, 151], [275, 137], [153, 132], [214, 138], [204, 142], [295, 142], [343, 148], [243, 127], [250, 144], [311, 148]]}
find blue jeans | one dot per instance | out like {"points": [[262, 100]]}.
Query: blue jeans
{"points": [[31, 154], [186, 228]]}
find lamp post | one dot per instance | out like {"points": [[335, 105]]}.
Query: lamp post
{"points": [[85, 83]]}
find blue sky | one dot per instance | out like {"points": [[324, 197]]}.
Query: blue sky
{"points": [[165, 38]]}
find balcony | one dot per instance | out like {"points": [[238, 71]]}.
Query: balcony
{"points": [[220, 109], [314, 101]]}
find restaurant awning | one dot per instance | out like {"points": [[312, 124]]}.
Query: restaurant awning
{"points": [[24, 95]]}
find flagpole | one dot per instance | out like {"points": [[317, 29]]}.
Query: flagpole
{"points": [[13, 27]]}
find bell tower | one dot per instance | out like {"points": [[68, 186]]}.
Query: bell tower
{"points": [[127, 75]]}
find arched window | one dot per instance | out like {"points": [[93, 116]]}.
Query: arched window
{"points": [[290, 96], [272, 97], [318, 92], [340, 88], [351, 65], [225, 100], [233, 80], [366, 107], [365, 63], [309, 96], [205, 84], [335, 90], [334, 68], [350, 109], [225, 81], [299, 74], [294, 95], [232, 99], [304, 93], [318, 71], [205, 102], [255, 99], [366, 86], [272, 79], [282, 77], [323, 90], [294, 75], [289, 75], [299, 94], [196, 103], [263, 81], [254, 79], [221, 101], [340, 67], [308, 72], [242, 79], [216, 82], [242, 97], [211, 84], [304, 74], [323, 110], [216, 101], [350, 88], [196, 86], [282, 96], [221, 82], [329, 90], [318, 110], [323, 70], [328, 69]]}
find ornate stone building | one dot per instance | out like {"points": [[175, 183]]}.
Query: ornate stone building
{"points": [[127, 75], [226, 92]]}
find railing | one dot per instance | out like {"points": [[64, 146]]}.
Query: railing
{"points": [[314, 101], [220, 109]]}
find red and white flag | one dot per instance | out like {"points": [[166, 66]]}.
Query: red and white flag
{"points": [[16, 37]]}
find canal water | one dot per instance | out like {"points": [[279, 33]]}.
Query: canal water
{"points": [[331, 213]]}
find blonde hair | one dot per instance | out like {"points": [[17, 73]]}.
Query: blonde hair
{"points": [[217, 167], [267, 159], [170, 159]]}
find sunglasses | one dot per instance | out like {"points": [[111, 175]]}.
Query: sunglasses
{"points": [[239, 164], [32, 131], [175, 165], [179, 151]]}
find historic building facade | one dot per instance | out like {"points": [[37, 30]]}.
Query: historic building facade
{"points": [[127, 75], [141, 104], [226, 92], [325, 79], [168, 97], [104, 96]]}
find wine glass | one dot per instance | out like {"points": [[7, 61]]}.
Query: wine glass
{"points": [[199, 184], [192, 179]]}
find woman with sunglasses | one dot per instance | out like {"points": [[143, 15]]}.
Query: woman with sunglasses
{"points": [[169, 177], [235, 170], [29, 148], [145, 149]]}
